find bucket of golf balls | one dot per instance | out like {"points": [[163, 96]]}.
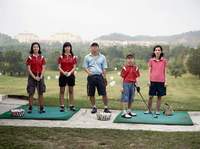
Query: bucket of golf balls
{"points": [[102, 116], [17, 112]]}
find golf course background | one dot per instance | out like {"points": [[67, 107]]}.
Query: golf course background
{"points": [[182, 94]]}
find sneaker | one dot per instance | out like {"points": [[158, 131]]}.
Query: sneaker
{"points": [[42, 110], [30, 109], [62, 108], [132, 114], [94, 110], [157, 113], [126, 115], [106, 110], [72, 108], [147, 112]]}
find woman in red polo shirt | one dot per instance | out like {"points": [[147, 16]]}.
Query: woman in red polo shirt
{"points": [[157, 78], [36, 68], [67, 65]]}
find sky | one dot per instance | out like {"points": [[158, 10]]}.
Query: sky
{"points": [[93, 18]]}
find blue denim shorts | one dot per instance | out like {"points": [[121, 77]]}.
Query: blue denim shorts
{"points": [[128, 92]]}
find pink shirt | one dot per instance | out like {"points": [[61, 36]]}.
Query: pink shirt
{"points": [[157, 69]]}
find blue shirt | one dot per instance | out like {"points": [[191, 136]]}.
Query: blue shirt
{"points": [[95, 64]]}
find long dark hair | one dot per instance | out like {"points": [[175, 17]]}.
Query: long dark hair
{"points": [[31, 51], [67, 44], [161, 54]]}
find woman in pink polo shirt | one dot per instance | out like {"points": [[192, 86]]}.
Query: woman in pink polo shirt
{"points": [[157, 78]]}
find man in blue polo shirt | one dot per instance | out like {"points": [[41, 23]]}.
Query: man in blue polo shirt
{"points": [[95, 65]]}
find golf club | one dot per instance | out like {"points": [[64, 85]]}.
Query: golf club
{"points": [[153, 115], [38, 88], [67, 92]]}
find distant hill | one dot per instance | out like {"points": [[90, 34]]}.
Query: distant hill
{"points": [[191, 38], [115, 37]]}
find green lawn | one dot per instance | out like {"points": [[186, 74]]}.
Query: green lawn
{"points": [[60, 138], [182, 93]]}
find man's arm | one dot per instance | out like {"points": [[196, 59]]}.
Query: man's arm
{"points": [[85, 66], [87, 71]]}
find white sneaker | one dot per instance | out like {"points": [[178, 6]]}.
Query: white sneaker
{"points": [[126, 115], [147, 112], [157, 112], [132, 114]]}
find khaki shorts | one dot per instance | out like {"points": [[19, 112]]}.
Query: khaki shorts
{"points": [[33, 84]]}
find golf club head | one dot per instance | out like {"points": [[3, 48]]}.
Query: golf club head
{"points": [[155, 116]]}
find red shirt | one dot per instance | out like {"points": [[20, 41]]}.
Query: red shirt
{"points": [[36, 63], [67, 62], [157, 69], [130, 73]]}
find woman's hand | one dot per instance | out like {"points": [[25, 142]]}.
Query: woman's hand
{"points": [[37, 78], [66, 73], [166, 84], [149, 83], [69, 74]]}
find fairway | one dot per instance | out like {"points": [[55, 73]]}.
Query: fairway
{"points": [[182, 93]]}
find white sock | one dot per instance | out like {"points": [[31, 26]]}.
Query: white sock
{"points": [[105, 107], [129, 110]]}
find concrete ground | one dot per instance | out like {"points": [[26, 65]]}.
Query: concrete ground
{"points": [[84, 119]]}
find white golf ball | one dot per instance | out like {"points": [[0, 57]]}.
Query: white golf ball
{"points": [[111, 78], [112, 83], [56, 77]]}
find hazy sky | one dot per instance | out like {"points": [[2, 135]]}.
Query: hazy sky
{"points": [[92, 18]]}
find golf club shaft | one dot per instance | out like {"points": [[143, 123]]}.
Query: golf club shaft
{"points": [[67, 90], [145, 103]]}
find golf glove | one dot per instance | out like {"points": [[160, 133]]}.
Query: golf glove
{"points": [[138, 89]]}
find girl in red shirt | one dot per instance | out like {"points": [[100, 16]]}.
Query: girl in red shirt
{"points": [[67, 65], [36, 68]]}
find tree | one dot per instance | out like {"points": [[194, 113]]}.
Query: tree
{"points": [[2, 69], [14, 62], [177, 65], [52, 62], [193, 62], [177, 70]]}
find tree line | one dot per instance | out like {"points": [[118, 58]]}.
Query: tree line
{"points": [[181, 58]]}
